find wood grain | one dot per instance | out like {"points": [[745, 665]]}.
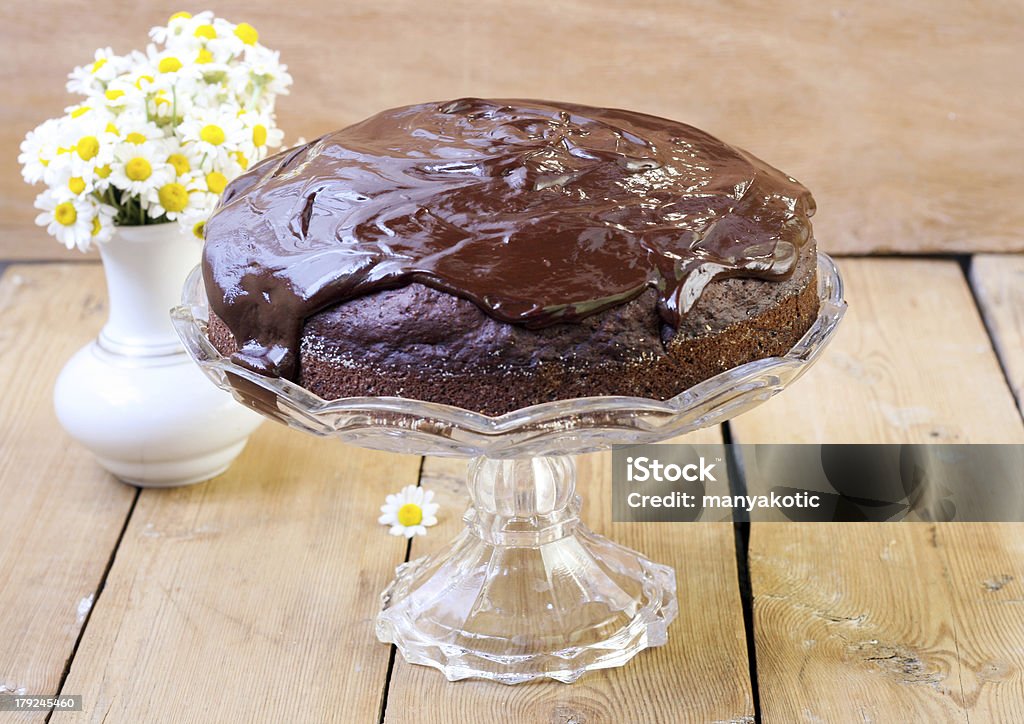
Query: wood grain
{"points": [[251, 597], [998, 283], [911, 362], [891, 622], [706, 653], [903, 118], [60, 514]]}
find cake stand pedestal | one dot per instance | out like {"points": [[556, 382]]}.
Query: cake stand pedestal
{"points": [[526, 591]]}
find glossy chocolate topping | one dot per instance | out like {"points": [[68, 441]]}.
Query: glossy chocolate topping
{"points": [[537, 212]]}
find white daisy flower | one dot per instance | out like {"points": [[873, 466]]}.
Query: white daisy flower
{"points": [[186, 165], [194, 218], [142, 78], [213, 58], [205, 189], [211, 183], [163, 105], [102, 224], [215, 133], [91, 78], [84, 142], [69, 218], [239, 38], [172, 64], [68, 180], [38, 149], [136, 129], [261, 135], [273, 73], [180, 28], [171, 199], [409, 511], [101, 177], [140, 169], [260, 80], [121, 93]]}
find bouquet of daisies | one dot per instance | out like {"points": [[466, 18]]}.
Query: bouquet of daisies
{"points": [[159, 133]]}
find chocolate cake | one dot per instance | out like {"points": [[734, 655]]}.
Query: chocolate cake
{"points": [[495, 254]]}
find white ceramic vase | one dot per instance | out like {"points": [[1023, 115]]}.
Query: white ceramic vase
{"points": [[132, 396]]}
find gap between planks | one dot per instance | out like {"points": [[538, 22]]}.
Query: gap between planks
{"points": [[61, 514], [892, 622]]}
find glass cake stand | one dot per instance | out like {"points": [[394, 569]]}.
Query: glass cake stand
{"points": [[525, 591]]}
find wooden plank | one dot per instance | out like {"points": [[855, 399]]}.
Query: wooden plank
{"points": [[60, 514], [891, 622], [252, 597], [913, 103], [705, 656], [998, 283], [910, 363]]}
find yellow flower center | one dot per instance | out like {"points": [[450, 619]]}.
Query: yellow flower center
{"points": [[138, 81], [76, 184], [259, 134], [410, 514], [205, 31], [113, 95], [111, 128], [81, 110], [44, 161], [96, 225], [247, 33], [173, 196], [169, 64], [136, 138], [183, 15], [242, 160], [180, 163], [103, 171], [87, 147], [212, 134], [98, 64], [65, 213], [216, 181], [138, 169], [205, 56], [198, 228]]}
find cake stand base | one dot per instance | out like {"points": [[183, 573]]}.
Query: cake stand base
{"points": [[526, 591]]}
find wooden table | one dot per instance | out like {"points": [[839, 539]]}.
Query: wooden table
{"points": [[252, 597]]}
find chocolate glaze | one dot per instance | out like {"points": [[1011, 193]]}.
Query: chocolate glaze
{"points": [[537, 212]]}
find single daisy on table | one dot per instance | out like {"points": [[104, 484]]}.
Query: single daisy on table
{"points": [[409, 511]]}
